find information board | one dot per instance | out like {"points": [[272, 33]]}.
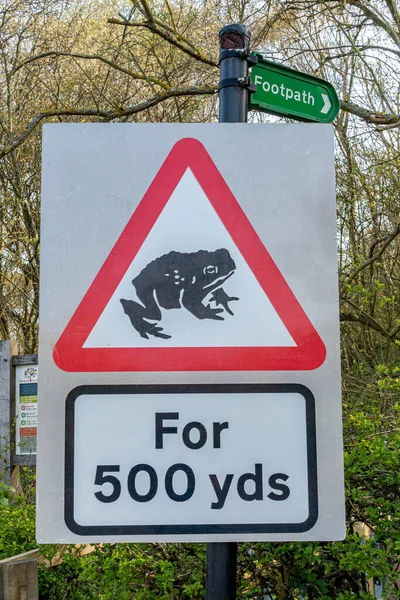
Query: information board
{"points": [[26, 408]]}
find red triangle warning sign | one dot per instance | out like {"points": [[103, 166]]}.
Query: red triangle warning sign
{"points": [[189, 286]]}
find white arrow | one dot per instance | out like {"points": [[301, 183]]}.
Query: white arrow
{"points": [[327, 104]]}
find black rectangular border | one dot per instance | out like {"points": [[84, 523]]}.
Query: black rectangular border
{"points": [[97, 530]]}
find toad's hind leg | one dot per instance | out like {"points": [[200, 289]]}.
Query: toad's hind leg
{"points": [[138, 315]]}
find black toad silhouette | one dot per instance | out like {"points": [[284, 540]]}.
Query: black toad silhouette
{"points": [[177, 280]]}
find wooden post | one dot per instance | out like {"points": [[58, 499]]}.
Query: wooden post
{"points": [[19, 580], [7, 349]]}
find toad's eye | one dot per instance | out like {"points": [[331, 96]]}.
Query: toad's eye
{"points": [[210, 270]]}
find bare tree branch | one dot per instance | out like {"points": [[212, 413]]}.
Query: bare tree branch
{"points": [[161, 30], [394, 10], [364, 319], [368, 115], [108, 62], [376, 18], [107, 115], [391, 126], [387, 240]]}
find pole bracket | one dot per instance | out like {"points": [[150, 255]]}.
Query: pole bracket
{"points": [[243, 82], [242, 53]]}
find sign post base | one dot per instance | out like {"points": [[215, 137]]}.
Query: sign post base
{"points": [[221, 571]]}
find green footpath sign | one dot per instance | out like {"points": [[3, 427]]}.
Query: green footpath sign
{"points": [[286, 92]]}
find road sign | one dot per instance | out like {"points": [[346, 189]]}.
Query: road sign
{"points": [[221, 452], [189, 246], [289, 93], [173, 466]]}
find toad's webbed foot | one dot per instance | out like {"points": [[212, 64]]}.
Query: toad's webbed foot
{"points": [[220, 297], [200, 311], [212, 313], [143, 327], [152, 329]]}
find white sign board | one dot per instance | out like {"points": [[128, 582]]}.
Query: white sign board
{"points": [[190, 459], [189, 334]]}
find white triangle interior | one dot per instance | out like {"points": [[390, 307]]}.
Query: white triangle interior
{"points": [[189, 223]]}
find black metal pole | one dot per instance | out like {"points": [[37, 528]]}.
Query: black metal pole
{"points": [[233, 99], [221, 571], [234, 72]]}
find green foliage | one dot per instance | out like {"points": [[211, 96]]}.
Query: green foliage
{"points": [[17, 524], [126, 571]]}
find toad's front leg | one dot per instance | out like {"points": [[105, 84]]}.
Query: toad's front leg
{"points": [[192, 301], [220, 297]]}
